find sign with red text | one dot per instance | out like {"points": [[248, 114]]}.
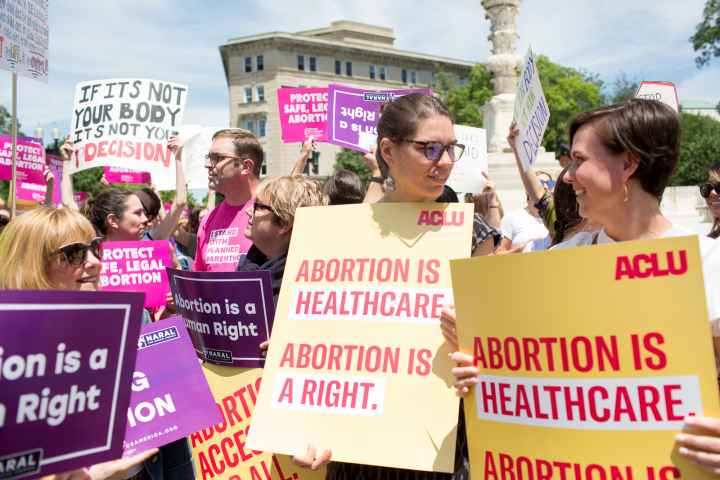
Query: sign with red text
{"points": [[126, 123], [356, 345], [664, 92], [219, 451], [303, 113], [137, 267], [593, 378], [531, 111]]}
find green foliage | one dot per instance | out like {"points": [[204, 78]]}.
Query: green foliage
{"points": [[88, 181], [623, 88], [464, 101], [706, 39], [353, 161], [6, 123], [700, 149]]}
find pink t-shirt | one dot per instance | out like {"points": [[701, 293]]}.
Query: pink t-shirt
{"points": [[221, 239]]}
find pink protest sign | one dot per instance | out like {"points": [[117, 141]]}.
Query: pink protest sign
{"points": [[124, 175], [80, 196], [303, 112], [30, 159], [31, 192], [137, 267]]}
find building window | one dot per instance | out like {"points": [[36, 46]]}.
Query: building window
{"points": [[260, 63], [382, 73], [413, 77], [262, 124], [372, 72], [248, 95], [248, 64], [338, 67], [301, 62], [348, 69], [313, 64], [312, 167], [260, 90], [403, 76], [250, 125]]}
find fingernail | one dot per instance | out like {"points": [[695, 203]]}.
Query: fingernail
{"points": [[690, 419], [683, 451], [680, 437]]}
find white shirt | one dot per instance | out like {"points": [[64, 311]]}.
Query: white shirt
{"points": [[709, 253], [521, 228]]}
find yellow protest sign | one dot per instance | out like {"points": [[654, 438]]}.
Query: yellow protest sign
{"points": [[219, 452], [357, 363], [590, 358]]}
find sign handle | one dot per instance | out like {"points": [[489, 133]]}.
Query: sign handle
{"points": [[12, 197]]}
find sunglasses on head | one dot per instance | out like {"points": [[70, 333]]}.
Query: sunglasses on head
{"points": [[706, 188], [76, 253]]}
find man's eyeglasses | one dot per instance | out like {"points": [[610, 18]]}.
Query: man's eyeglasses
{"points": [[706, 188], [76, 253], [215, 158], [434, 150]]}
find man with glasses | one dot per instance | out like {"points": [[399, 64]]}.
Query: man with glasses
{"points": [[233, 164]]}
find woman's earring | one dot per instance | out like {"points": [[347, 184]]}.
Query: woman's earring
{"points": [[627, 193], [389, 184]]}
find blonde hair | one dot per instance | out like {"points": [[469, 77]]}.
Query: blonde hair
{"points": [[287, 194], [28, 242]]}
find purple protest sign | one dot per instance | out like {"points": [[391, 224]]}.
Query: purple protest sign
{"points": [[30, 159], [169, 399], [228, 314], [353, 114], [67, 361], [303, 112], [124, 175], [137, 267]]}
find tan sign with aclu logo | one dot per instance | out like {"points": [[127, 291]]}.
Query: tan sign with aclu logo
{"points": [[357, 363], [591, 372]]}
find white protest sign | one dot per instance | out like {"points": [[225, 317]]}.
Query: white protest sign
{"points": [[664, 92], [126, 123], [531, 111], [196, 147], [24, 38], [467, 174]]}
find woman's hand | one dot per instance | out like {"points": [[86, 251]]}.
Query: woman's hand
{"points": [[311, 460], [67, 149], [703, 446], [175, 145], [466, 375], [512, 135], [447, 326]]}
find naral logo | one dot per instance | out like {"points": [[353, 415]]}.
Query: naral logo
{"points": [[20, 464], [224, 356], [646, 265], [378, 96], [158, 336], [441, 217]]}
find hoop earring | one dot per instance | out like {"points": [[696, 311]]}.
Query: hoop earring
{"points": [[389, 184], [627, 193]]}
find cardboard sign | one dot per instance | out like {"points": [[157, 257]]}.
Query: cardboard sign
{"points": [[126, 123], [353, 114], [67, 360], [124, 175], [303, 112], [356, 345], [228, 314], [170, 399], [137, 267], [24, 42], [594, 377], [219, 452], [664, 92], [196, 147], [467, 173], [531, 112], [30, 159]]}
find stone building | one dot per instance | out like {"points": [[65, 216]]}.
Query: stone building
{"points": [[345, 52]]}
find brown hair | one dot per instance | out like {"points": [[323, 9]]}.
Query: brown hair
{"points": [[567, 212], [246, 146], [648, 130], [112, 201], [714, 177]]}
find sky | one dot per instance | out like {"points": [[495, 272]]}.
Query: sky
{"points": [[178, 40]]}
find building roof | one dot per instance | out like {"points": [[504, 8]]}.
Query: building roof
{"points": [[698, 105]]}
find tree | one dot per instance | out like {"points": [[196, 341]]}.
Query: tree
{"points": [[700, 148], [353, 161], [706, 39], [623, 88], [6, 123], [465, 100]]}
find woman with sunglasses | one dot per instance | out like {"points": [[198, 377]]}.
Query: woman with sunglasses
{"points": [[416, 150], [710, 191]]}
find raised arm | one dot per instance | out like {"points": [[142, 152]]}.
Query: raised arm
{"points": [[168, 224], [67, 193], [307, 148], [374, 190], [533, 187], [50, 187]]}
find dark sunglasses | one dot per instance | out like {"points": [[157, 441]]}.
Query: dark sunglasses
{"points": [[549, 184], [4, 221], [706, 188], [76, 253], [258, 205], [433, 150]]}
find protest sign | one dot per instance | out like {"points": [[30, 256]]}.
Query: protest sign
{"points": [[220, 452], [56, 165], [303, 112], [67, 360], [228, 314], [467, 174], [353, 114], [664, 92], [531, 111], [357, 337], [137, 267], [124, 175], [126, 123], [594, 377], [30, 159], [169, 399], [80, 197], [196, 147], [31, 192], [24, 41]]}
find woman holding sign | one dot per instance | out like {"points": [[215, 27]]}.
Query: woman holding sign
{"points": [[416, 150]]}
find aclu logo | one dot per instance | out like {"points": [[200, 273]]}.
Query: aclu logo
{"points": [[158, 336], [224, 356], [441, 217], [20, 464], [645, 265]]}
